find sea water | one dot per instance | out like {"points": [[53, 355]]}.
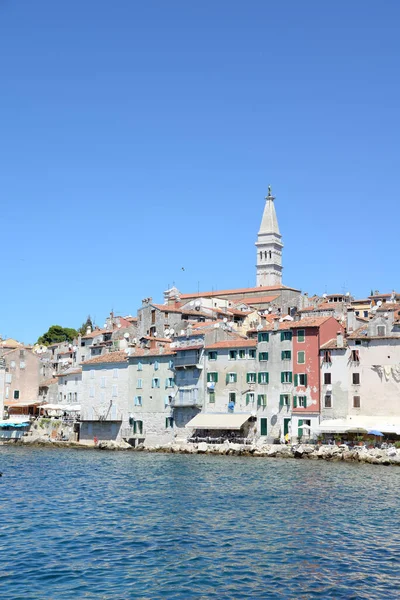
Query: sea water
{"points": [[96, 524]]}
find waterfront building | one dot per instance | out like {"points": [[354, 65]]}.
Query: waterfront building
{"points": [[105, 397], [21, 381]]}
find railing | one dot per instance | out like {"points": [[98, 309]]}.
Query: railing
{"points": [[187, 400], [189, 360]]}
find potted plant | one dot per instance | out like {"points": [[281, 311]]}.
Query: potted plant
{"points": [[338, 439], [370, 442], [360, 440], [320, 439]]}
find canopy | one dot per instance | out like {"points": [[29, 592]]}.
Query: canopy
{"points": [[218, 421], [22, 404], [62, 407], [361, 424], [12, 424]]}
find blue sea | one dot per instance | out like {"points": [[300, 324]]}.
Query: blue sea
{"points": [[95, 524]]}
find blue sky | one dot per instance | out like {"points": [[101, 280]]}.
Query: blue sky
{"points": [[137, 138]]}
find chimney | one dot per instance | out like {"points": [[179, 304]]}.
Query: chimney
{"points": [[276, 324], [339, 339]]}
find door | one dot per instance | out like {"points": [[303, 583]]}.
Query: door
{"points": [[286, 426], [263, 426]]}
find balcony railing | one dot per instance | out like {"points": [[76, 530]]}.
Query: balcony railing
{"points": [[188, 360]]}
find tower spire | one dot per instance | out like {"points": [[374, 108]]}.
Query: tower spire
{"points": [[269, 246]]}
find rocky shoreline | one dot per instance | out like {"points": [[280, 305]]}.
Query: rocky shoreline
{"points": [[375, 456]]}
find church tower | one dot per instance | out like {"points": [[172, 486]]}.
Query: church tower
{"points": [[269, 247]]}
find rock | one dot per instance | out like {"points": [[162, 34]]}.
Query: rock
{"points": [[395, 460], [308, 449], [284, 452], [350, 455], [202, 448], [176, 448], [298, 451]]}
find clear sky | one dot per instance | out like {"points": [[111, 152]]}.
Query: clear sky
{"points": [[137, 138]]}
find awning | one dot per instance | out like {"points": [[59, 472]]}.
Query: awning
{"points": [[218, 421], [12, 424], [360, 424], [22, 404]]}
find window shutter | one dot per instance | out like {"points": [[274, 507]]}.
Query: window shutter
{"points": [[266, 355], [259, 400], [305, 401], [294, 401], [248, 377], [282, 354], [247, 399], [235, 377], [216, 377], [282, 377], [300, 432], [166, 422], [282, 336], [166, 382], [208, 377], [296, 380], [290, 376], [305, 380], [281, 400], [259, 378], [267, 377], [227, 378]]}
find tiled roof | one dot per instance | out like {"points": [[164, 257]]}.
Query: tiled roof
{"points": [[332, 344], [238, 291], [388, 307], [327, 306], [141, 352], [302, 324], [95, 333], [48, 382], [111, 357], [183, 348], [233, 344], [71, 371], [260, 299]]}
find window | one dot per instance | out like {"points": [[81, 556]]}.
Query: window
{"points": [[171, 364], [301, 357], [357, 313], [286, 354], [76, 396], [262, 400], [169, 422], [356, 378], [138, 427], [114, 391], [115, 373], [12, 364], [16, 394], [249, 399], [169, 382], [139, 384], [327, 358], [286, 377], [8, 377], [231, 378], [92, 374], [286, 336], [22, 353], [22, 364], [365, 314], [355, 356], [300, 401], [300, 379], [358, 342], [328, 401], [103, 382], [263, 377], [212, 355], [138, 401], [301, 335], [211, 397], [263, 426], [381, 330], [155, 382], [167, 401], [263, 356], [232, 397], [284, 400], [212, 377], [356, 402], [263, 336], [91, 392], [251, 378], [140, 367], [327, 378], [242, 354], [232, 354], [156, 365], [252, 353]]}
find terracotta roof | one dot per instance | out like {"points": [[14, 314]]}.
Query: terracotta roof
{"points": [[302, 324], [359, 301], [388, 307], [233, 344], [327, 306], [332, 344], [140, 352], [183, 348], [238, 291], [111, 357], [48, 382], [68, 372], [260, 299], [95, 333]]}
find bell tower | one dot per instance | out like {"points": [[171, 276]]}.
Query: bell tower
{"points": [[269, 246]]}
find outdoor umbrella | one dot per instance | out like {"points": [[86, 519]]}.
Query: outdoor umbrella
{"points": [[375, 432]]}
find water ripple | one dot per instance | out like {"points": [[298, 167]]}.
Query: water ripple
{"points": [[80, 524]]}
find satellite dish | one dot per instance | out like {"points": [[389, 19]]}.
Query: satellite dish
{"points": [[167, 332], [324, 295], [171, 331], [119, 325], [191, 303], [231, 323], [259, 327], [216, 326], [225, 320], [348, 294], [126, 336], [386, 315], [379, 303], [270, 310], [197, 303], [105, 326]]}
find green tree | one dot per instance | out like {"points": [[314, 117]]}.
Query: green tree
{"points": [[56, 334]]}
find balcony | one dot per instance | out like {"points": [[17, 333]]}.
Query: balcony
{"points": [[186, 398], [189, 360]]}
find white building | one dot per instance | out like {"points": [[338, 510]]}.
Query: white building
{"points": [[269, 247]]}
